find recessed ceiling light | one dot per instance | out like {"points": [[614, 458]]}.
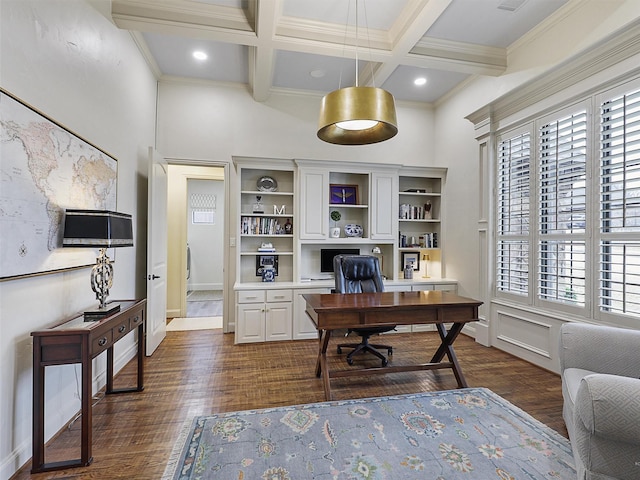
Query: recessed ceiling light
{"points": [[420, 81], [319, 73], [200, 55]]}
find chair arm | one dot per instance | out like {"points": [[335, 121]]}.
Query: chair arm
{"points": [[609, 407], [600, 349]]}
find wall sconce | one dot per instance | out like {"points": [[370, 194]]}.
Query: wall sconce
{"points": [[98, 229], [425, 258]]}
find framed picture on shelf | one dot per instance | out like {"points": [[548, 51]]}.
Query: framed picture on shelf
{"points": [[412, 258], [263, 261], [343, 194]]}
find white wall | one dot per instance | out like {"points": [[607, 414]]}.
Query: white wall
{"points": [[202, 121], [206, 240], [66, 59]]}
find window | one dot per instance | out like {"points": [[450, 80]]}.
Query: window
{"points": [[562, 212], [512, 274], [568, 208], [619, 262]]}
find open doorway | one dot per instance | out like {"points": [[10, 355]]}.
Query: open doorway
{"points": [[196, 254], [205, 275]]}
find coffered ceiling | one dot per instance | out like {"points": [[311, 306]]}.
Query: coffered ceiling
{"points": [[309, 46]]}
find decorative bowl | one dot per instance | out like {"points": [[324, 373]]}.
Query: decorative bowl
{"points": [[353, 230], [267, 184]]}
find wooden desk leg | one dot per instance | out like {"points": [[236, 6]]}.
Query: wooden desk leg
{"points": [[323, 343], [322, 366], [446, 346]]}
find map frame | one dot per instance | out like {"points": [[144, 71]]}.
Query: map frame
{"points": [[68, 258]]}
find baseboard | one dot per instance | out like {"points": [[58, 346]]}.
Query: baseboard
{"points": [[482, 334], [204, 286]]}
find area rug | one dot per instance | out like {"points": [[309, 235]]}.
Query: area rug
{"points": [[469, 433]]}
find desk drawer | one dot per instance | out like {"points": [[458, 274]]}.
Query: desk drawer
{"points": [[120, 330], [101, 342], [135, 319]]}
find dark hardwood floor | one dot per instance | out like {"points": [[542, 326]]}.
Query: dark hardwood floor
{"points": [[200, 372]]}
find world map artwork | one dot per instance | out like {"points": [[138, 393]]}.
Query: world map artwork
{"points": [[45, 169]]}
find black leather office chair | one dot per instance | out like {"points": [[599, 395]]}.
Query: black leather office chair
{"points": [[360, 274]]}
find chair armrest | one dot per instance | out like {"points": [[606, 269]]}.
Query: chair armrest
{"points": [[609, 406], [600, 349]]}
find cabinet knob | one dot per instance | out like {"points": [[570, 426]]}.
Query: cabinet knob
{"points": [[121, 328], [102, 342]]}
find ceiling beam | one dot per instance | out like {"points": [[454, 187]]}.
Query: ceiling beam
{"points": [[262, 57]]}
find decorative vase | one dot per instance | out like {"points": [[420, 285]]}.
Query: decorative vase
{"points": [[353, 230], [335, 232]]}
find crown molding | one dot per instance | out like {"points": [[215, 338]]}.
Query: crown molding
{"points": [[581, 67], [179, 12], [472, 58]]}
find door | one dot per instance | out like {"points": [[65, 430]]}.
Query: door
{"points": [[156, 252]]}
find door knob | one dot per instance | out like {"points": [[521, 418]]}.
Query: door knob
{"points": [[153, 277]]}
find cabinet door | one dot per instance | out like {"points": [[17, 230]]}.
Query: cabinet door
{"points": [[250, 323], [303, 327], [278, 321], [384, 206], [314, 204]]}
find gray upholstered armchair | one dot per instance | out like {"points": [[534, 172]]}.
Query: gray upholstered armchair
{"points": [[600, 367]]}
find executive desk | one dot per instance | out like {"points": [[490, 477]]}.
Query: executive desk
{"points": [[77, 341], [336, 311]]}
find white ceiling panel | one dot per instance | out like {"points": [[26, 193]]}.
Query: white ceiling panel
{"points": [[277, 44]]}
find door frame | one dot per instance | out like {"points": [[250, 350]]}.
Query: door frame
{"points": [[228, 323]]}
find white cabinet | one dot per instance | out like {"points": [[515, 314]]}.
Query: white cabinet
{"points": [[263, 315], [384, 205], [314, 201], [287, 204], [303, 327]]}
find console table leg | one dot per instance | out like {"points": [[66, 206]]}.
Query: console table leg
{"points": [[86, 424], [37, 460]]}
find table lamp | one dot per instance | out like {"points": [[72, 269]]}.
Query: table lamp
{"points": [[426, 258], [98, 229]]}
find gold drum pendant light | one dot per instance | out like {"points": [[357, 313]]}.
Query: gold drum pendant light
{"points": [[357, 115]]}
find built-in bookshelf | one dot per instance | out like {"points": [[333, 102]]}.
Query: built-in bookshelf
{"points": [[267, 220]]}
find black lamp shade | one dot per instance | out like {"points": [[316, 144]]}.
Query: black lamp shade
{"points": [[97, 229]]}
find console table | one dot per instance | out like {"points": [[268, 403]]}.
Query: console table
{"points": [[78, 341]]}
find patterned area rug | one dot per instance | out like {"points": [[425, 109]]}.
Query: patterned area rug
{"points": [[457, 434]]}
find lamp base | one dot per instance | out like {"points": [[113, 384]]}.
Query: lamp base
{"points": [[100, 313]]}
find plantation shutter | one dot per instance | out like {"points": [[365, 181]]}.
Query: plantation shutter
{"points": [[562, 212], [513, 189], [619, 244]]}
